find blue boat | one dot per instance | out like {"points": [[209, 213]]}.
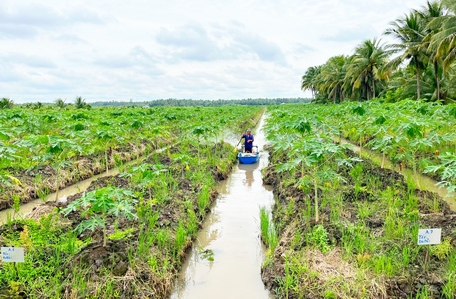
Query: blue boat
{"points": [[249, 158]]}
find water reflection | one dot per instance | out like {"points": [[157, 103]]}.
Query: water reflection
{"points": [[248, 171]]}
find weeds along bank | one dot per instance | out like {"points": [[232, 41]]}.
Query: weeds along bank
{"points": [[127, 235], [46, 149], [343, 227]]}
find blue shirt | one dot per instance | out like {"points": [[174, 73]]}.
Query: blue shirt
{"points": [[248, 137]]}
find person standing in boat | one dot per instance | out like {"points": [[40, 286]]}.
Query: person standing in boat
{"points": [[248, 141]]}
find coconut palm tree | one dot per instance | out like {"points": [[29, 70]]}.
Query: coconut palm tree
{"points": [[80, 102], [444, 39], [434, 15], [60, 103], [6, 103], [366, 67], [410, 31], [332, 77], [308, 79]]}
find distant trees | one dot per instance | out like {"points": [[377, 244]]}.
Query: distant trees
{"points": [[60, 103], [80, 103], [206, 103], [6, 103]]}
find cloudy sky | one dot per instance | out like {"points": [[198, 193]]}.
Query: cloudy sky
{"points": [[195, 49]]}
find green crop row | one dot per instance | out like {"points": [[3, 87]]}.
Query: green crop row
{"points": [[412, 134], [47, 149]]}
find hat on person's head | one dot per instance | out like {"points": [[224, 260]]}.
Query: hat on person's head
{"points": [[248, 130]]}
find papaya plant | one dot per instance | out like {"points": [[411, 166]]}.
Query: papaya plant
{"points": [[97, 206], [61, 149], [200, 132], [145, 175], [409, 140], [108, 139], [313, 156], [361, 126], [447, 170], [7, 155], [384, 144]]}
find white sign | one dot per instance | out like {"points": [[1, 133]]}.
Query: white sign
{"points": [[429, 236], [12, 254]]}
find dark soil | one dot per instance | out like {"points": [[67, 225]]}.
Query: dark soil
{"points": [[395, 287], [42, 179]]}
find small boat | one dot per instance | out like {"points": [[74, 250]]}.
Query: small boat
{"points": [[249, 158]]}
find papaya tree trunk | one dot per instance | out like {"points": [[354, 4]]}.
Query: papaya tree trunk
{"points": [[106, 159], [105, 230], [317, 218], [418, 82], [57, 183], [437, 79], [415, 172], [361, 146]]}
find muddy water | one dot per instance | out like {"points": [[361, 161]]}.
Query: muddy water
{"points": [[422, 182], [232, 233]]}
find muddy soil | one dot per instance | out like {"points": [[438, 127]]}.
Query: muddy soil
{"points": [[40, 181], [432, 212]]}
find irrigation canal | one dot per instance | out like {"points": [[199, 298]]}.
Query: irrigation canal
{"points": [[63, 193], [231, 236], [423, 182]]}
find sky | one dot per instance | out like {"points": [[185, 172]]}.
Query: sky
{"points": [[142, 50]]}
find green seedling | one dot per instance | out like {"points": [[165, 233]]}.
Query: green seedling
{"points": [[100, 204]]}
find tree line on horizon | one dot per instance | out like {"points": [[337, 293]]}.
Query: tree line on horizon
{"points": [[80, 103], [420, 64], [206, 103]]}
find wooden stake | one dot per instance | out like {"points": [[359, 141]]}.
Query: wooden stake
{"points": [[426, 258], [15, 268]]}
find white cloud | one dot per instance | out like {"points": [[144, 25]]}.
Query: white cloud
{"points": [[8, 30], [196, 43], [300, 48], [189, 42], [41, 15], [32, 61], [263, 48], [349, 34], [71, 38]]}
